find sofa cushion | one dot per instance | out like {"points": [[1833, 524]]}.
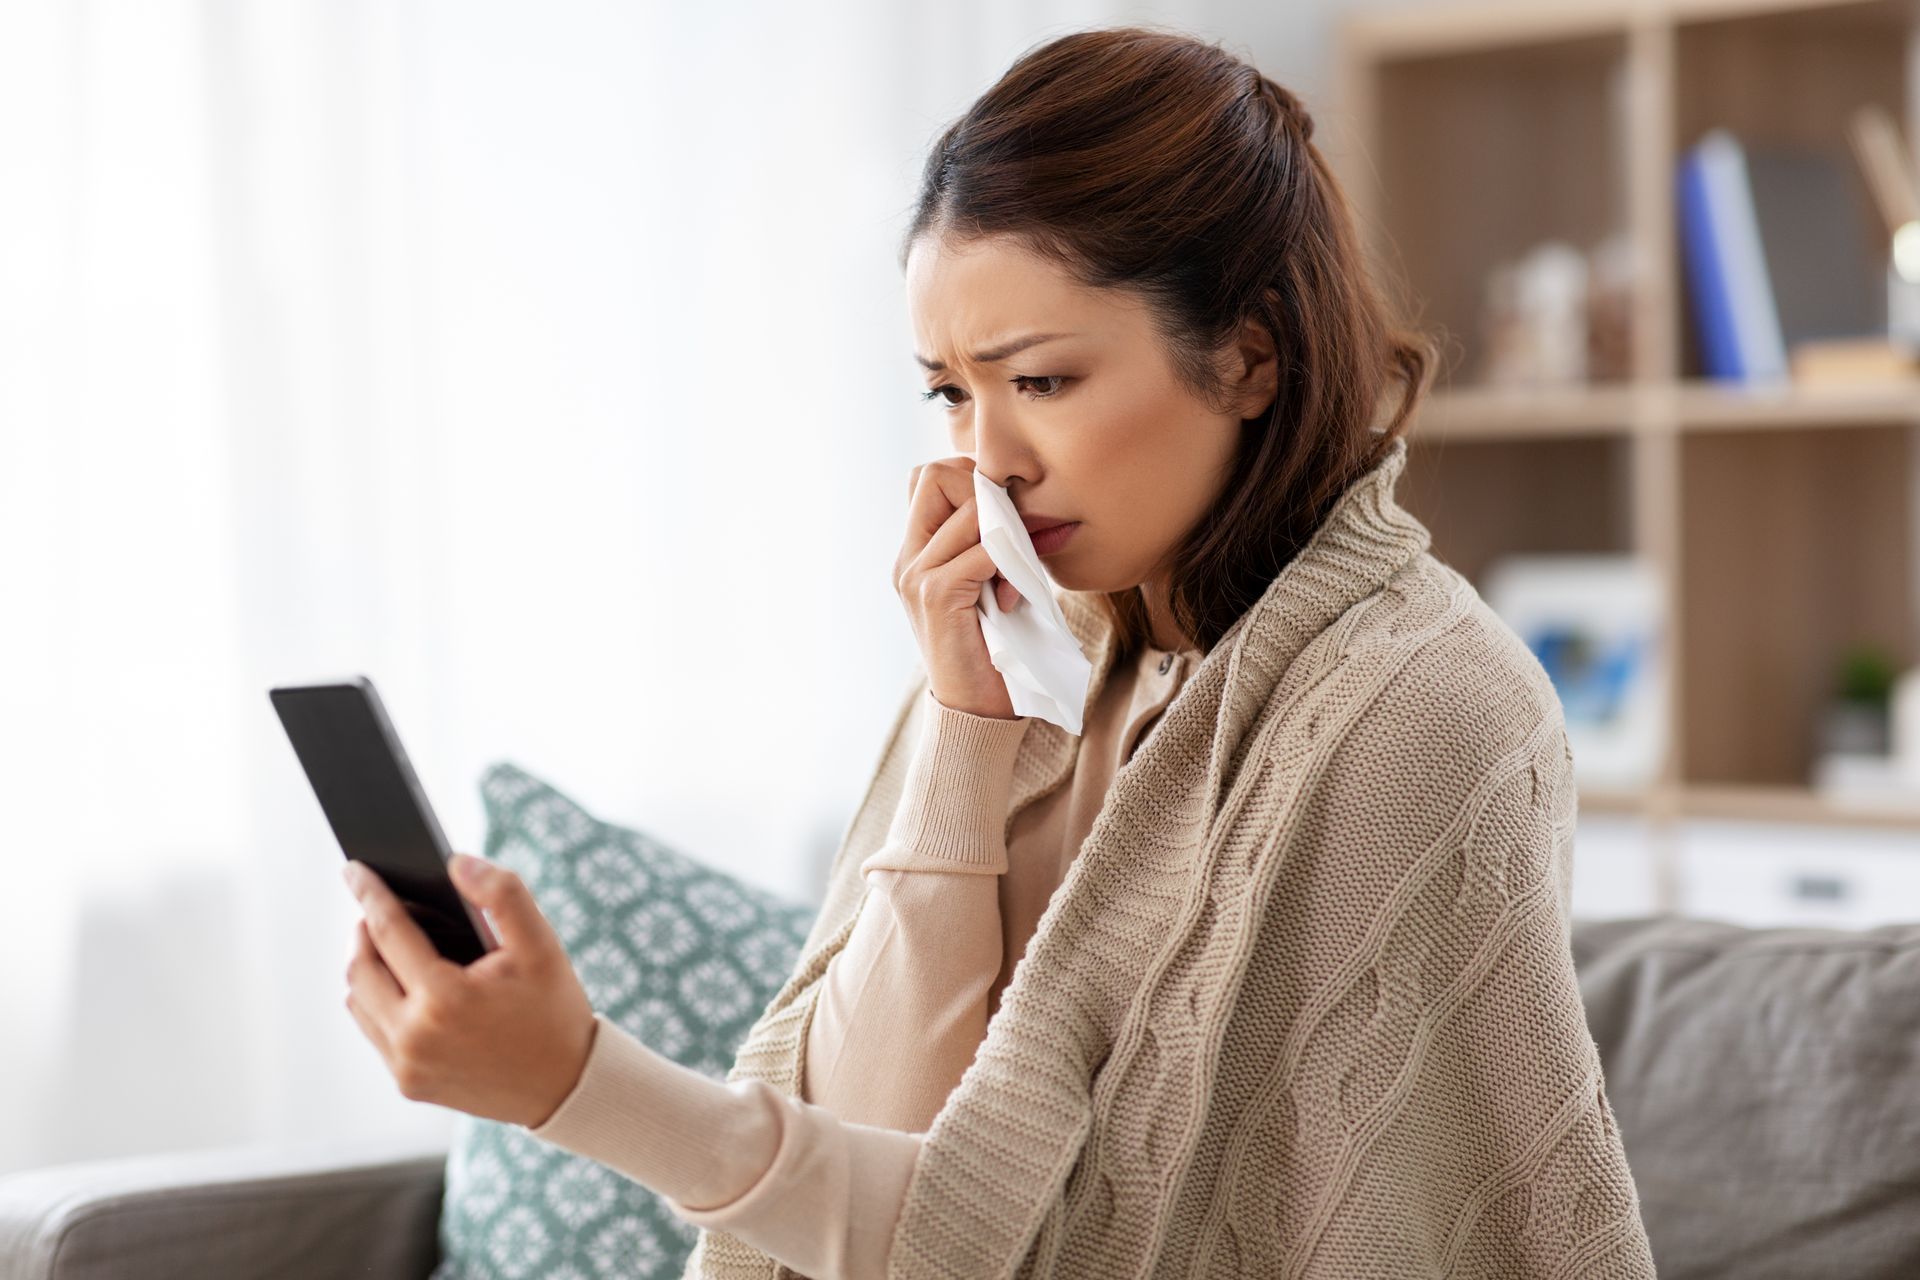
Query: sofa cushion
{"points": [[680, 955], [1767, 1087]]}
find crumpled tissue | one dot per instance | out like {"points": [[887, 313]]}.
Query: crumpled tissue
{"points": [[1032, 647]]}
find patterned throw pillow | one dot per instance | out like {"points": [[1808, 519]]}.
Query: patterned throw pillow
{"points": [[680, 955]]}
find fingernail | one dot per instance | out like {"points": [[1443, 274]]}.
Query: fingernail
{"points": [[352, 874]]}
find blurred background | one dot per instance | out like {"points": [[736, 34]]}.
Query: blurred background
{"points": [[550, 365]]}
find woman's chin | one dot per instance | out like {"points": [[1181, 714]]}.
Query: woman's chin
{"points": [[1063, 576], [1071, 577], [1072, 569]]}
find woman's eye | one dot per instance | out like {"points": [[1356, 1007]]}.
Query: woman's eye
{"points": [[1049, 393], [1022, 381]]}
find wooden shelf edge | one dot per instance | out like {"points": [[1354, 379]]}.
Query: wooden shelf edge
{"points": [[1692, 11], [1614, 800], [1427, 31], [1496, 413], [1700, 406], [1750, 803], [1524, 413]]}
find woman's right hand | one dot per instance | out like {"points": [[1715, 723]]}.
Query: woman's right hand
{"points": [[938, 576]]}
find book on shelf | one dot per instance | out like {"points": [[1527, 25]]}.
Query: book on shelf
{"points": [[1779, 253]]}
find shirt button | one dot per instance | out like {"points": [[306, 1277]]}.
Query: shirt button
{"points": [[1165, 663]]}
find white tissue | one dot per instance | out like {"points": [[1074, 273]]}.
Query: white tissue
{"points": [[1032, 647]]}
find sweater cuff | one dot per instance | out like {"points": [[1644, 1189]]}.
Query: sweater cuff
{"points": [[953, 804], [685, 1135], [829, 1202]]}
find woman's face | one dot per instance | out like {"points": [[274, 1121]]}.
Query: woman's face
{"points": [[1090, 425]]}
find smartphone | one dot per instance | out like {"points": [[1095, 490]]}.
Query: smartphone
{"points": [[373, 801]]}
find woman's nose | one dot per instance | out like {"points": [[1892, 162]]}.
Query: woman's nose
{"points": [[997, 454]]}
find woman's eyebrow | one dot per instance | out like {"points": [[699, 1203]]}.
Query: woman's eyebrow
{"points": [[993, 355]]}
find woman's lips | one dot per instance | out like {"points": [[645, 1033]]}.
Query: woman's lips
{"points": [[1048, 541]]}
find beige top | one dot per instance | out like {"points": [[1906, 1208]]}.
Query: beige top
{"points": [[955, 894], [907, 1002]]}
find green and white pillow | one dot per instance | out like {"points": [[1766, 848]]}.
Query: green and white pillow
{"points": [[678, 954]]}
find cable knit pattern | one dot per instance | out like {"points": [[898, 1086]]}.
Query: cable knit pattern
{"points": [[1305, 1005]]}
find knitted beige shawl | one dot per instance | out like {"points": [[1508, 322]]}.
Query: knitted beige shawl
{"points": [[1304, 1004]]}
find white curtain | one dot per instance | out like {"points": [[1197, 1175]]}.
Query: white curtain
{"points": [[546, 362]]}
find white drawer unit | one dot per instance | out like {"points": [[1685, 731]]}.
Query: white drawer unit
{"points": [[1769, 874]]}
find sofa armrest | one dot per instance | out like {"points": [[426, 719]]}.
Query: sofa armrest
{"points": [[301, 1212]]}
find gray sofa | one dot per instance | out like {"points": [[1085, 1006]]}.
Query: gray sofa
{"points": [[1766, 1082]]}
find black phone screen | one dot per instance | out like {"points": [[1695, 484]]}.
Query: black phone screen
{"points": [[373, 801]]}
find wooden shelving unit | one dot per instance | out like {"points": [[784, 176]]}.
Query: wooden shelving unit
{"points": [[1783, 524]]}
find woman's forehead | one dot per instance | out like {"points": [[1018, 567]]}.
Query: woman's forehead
{"points": [[971, 300]]}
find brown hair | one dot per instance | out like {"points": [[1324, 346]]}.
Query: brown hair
{"points": [[1153, 161]]}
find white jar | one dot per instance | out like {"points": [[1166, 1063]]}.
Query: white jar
{"points": [[1903, 309]]}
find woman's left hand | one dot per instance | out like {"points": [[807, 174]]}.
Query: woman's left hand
{"points": [[504, 1038]]}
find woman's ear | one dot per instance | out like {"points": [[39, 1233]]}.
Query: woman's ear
{"points": [[1254, 369]]}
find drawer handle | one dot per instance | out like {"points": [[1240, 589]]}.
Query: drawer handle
{"points": [[1820, 888]]}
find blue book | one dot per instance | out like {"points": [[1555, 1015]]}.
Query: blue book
{"points": [[1728, 279], [1719, 352]]}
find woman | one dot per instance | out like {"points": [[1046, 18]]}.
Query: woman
{"points": [[1267, 971]]}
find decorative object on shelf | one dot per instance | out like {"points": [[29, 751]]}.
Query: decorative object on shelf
{"points": [[1559, 317], [1596, 623], [1856, 719], [1887, 161], [1612, 278], [1854, 760]]}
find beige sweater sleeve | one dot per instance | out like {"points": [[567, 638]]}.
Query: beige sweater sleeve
{"points": [[816, 1183], [903, 1005], [790, 1178]]}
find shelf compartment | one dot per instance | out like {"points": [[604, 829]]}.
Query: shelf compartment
{"points": [[1489, 153], [1795, 543], [1789, 76]]}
